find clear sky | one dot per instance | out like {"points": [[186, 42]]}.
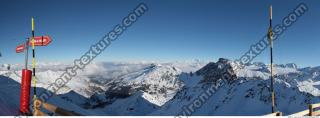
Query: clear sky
{"points": [[172, 30]]}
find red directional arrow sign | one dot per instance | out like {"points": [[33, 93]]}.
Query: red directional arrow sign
{"points": [[20, 48], [40, 41]]}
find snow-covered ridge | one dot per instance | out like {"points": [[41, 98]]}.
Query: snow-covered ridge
{"points": [[165, 88], [158, 82], [295, 88]]}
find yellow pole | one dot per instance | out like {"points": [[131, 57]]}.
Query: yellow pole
{"points": [[34, 64]]}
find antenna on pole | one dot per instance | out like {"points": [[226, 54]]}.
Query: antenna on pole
{"points": [[270, 33]]}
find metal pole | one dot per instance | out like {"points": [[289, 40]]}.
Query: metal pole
{"points": [[26, 47], [271, 60]]}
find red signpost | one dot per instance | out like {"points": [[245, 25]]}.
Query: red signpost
{"points": [[27, 74], [20, 48], [38, 41]]}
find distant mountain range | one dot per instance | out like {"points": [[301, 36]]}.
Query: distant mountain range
{"points": [[224, 87]]}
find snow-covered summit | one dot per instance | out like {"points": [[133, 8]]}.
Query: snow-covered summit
{"points": [[158, 81], [168, 88]]}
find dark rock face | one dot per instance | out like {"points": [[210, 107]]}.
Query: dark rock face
{"points": [[259, 64], [292, 65], [289, 65], [213, 72]]}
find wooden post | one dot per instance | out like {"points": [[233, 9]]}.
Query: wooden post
{"points": [[58, 110], [279, 114], [310, 109], [37, 104]]}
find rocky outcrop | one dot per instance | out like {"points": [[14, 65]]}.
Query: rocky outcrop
{"points": [[213, 72]]}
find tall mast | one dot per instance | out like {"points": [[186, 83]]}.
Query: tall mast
{"points": [[33, 62], [270, 33]]}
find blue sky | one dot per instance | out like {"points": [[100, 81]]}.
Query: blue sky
{"points": [[170, 31]]}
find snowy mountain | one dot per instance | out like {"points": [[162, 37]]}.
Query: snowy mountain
{"points": [[245, 91], [224, 87]]}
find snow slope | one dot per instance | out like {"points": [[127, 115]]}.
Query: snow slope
{"points": [[10, 97], [94, 81], [159, 83], [224, 87], [246, 94]]}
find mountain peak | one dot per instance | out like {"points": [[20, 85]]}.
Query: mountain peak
{"points": [[213, 72], [291, 65], [223, 60]]}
